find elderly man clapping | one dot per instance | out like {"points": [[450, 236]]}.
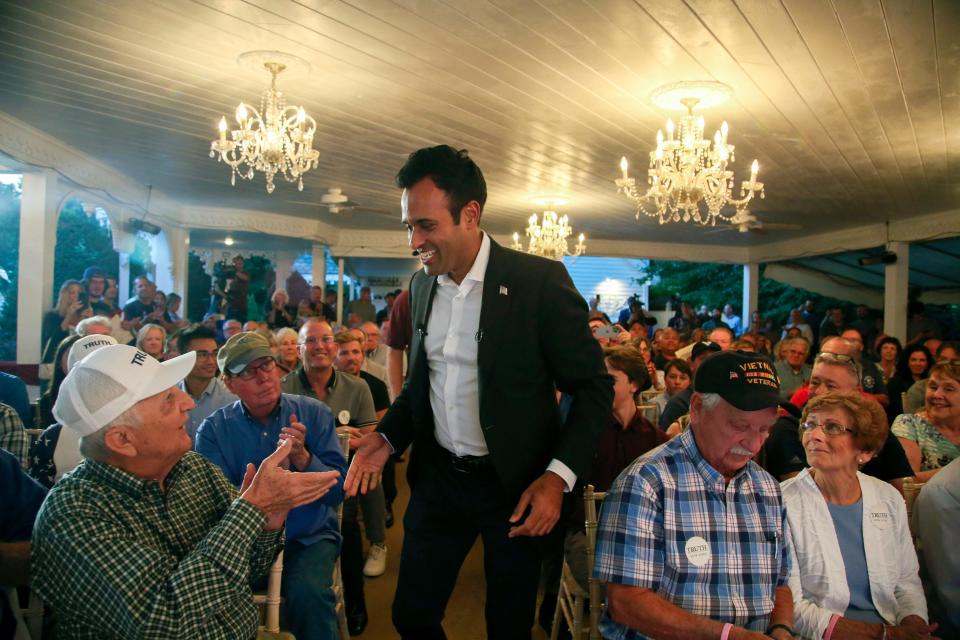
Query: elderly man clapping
{"points": [[145, 538]]}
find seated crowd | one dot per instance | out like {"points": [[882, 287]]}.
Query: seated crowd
{"points": [[756, 477]]}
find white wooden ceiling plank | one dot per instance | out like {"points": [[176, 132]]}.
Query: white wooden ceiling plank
{"points": [[765, 43], [835, 61], [865, 28], [911, 29], [947, 21]]}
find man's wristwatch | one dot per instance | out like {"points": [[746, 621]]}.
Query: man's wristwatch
{"points": [[774, 627]]}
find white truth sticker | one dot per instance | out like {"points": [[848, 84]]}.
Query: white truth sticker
{"points": [[698, 551]]}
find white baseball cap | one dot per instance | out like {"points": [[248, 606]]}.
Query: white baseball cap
{"points": [[87, 345], [111, 380]]}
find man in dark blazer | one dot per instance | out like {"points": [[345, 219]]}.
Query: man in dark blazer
{"points": [[495, 334]]}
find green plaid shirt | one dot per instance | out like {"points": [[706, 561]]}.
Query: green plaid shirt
{"points": [[12, 436], [117, 558]]}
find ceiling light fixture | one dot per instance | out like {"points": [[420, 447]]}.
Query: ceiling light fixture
{"points": [[548, 238], [688, 179], [278, 139]]}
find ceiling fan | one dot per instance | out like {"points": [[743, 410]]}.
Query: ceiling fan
{"points": [[336, 202], [749, 223]]}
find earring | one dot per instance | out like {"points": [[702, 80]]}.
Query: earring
{"points": [[859, 460]]}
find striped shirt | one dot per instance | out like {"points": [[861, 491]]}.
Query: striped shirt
{"points": [[116, 557], [672, 524]]}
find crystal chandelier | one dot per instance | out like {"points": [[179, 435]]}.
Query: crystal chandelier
{"points": [[688, 178], [549, 238], [276, 140]]}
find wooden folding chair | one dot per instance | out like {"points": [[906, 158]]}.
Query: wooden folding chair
{"points": [[650, 411], [571, 598]]}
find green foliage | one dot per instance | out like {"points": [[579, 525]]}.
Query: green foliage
{"points": [[82, 241], [9, 257], [718, 284]]}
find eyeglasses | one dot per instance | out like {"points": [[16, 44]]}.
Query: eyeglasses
{"points": [[312, 340], [206, 354], [840, 359], [268, 365], [831, 428]]}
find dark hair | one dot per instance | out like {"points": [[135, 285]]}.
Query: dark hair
{"points": [[850, 327], [888, 340], [194, 332], [452, 171], [630, 362], [59, 376], [680, 365], [949, 344], [903, 364]]}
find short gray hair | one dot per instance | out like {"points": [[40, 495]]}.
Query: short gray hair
{"points": [[94, 446], [101, 321], [710, 401], [146, 329]]}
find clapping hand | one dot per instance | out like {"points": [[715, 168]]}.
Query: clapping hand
{"points": [[296, 433], [276, 491]]}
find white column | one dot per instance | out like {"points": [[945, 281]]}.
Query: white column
{"points": [[340, 291], [318, 258], [895, 288], [123, 279], [38, 238], [751, 292], [178, 251], [282, 268]]}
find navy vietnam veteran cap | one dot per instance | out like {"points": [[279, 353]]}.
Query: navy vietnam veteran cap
{"points": [[746, 380]]}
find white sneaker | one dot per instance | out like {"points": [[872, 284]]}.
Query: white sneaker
{"points": [[376, 564]]}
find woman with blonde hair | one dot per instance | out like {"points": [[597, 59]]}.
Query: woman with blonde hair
{"points": [[288, 356], [856, 574], [60, 321], [151, 339]]}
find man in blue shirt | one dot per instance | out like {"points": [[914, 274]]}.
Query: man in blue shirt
{"points": [[13, 392], [246, 432]]}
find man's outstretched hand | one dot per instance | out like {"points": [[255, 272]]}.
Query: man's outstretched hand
{"points": [[544, 498], [276, 491], [372, 452]]}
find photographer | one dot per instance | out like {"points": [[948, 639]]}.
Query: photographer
{"points": [[72, 307], [281, 314], [143, 310]]}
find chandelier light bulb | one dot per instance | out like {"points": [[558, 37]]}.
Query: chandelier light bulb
{"points": [[242, 115], [623, 166], [754, 170], [723, 131], [301, 116], [670, 128], [659, 137], [222, 126], [700, 124]]}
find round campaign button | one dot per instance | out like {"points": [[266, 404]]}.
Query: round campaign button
{"points": [[698, 551], [880, 518], [343, 417]]}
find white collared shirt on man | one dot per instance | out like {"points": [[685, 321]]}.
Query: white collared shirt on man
{"points": [[451, 344]]}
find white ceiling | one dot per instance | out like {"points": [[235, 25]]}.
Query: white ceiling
{"points": [[851, 106]]}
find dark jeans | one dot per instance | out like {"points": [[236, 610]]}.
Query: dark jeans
{"points": [[447, 510], [309, 608], [351, 557]]}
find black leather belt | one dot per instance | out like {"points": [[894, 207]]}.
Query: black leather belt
{"points": [[468, 464]]}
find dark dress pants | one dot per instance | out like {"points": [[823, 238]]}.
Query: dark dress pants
{"points": [[448, 509]]}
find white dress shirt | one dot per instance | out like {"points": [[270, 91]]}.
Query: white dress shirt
{"points": [[451, 346]]}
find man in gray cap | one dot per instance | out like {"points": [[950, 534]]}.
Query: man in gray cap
{"points": [[247, 431], [145, 538], [692, 541]]}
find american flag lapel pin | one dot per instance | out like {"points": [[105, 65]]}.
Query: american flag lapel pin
{"points": [[503, 290]]}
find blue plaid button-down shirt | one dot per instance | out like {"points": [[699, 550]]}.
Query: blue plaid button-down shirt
{"points": [[665, 507]]}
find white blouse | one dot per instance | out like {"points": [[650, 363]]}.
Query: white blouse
{"points": [[818, 579]]}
